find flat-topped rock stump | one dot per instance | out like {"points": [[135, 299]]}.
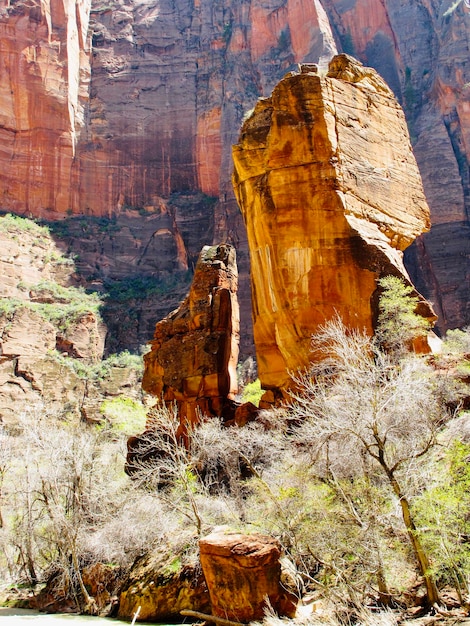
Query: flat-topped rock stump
{"points": [[241, 572]]}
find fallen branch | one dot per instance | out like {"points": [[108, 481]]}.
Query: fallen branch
{"points": [[136, 615], [210, 618]]}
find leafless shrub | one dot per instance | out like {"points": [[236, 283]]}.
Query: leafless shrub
{"points": [[381, 415]]}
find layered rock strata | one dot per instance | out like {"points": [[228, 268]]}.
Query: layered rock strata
{"points": [[421, 49], [45, 53], [331, 195], [51, 335], [194, 352], [153, 104]]}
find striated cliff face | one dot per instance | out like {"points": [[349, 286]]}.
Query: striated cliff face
{"points": [[116, 104], [331, 195], [45, 50], [151, 108], [421, 49]]}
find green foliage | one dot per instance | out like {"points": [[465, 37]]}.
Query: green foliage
{"points": [[142, 287], [9, 306], [410, 97], [78, 225], [326, 475], [101, 369], [126, 359], [397, 323], [457, 342], [125, 414], [365, 413], [67, 304], [15, 224], [338, 528], [55, 258], [62, 306], [252, 392], [173, 566], [409, 91], [68, 295], [443, 515]]}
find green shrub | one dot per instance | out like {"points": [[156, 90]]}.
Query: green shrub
{"points": [[126, 359], [141, 287], [10, 223], [397, 323], [457, 341], [125, 414], [443, 516], [67, 306], [102, 369], [252, 392], [9, 306]]}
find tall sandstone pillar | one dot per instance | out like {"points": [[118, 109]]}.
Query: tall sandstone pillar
{"points": [[194, 352], [331, 196]]}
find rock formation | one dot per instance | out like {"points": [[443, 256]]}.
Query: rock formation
{"points": [[331, 196], [162, 584], [141, 258], [103, 108], [195, 349], [43, 336], [45, 50], [243, 575], [427, 67]]}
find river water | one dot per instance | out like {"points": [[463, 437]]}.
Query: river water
{"points": [[17, 617]]}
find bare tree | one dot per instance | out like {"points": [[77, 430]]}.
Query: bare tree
{"points": [[355, 402], [68, 504], [161, 461]]}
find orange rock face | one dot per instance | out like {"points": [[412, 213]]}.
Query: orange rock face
{"points": [[44, 77], [209, 151], [331, 195], [153, 105], [242, 572], [195, 349]]}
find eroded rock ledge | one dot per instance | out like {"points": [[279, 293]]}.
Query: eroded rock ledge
{"points": [[331, 195]]}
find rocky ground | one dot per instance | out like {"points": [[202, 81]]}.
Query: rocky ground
{"points": [[52, 334]]}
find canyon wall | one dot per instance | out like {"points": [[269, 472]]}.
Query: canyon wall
{"points": [[45, 53], [51, 334], [113, 105], [421, 49]]}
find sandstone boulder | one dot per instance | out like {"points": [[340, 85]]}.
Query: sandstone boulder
{"points": [[243, 575], [194, 351], [163, 585], [331, 195]]}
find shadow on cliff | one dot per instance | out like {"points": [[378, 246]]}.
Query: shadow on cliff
{"points": [[134, 262]]}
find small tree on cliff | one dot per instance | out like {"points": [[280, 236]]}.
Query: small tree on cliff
{"points": [[360, 411], [398, 324]]}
